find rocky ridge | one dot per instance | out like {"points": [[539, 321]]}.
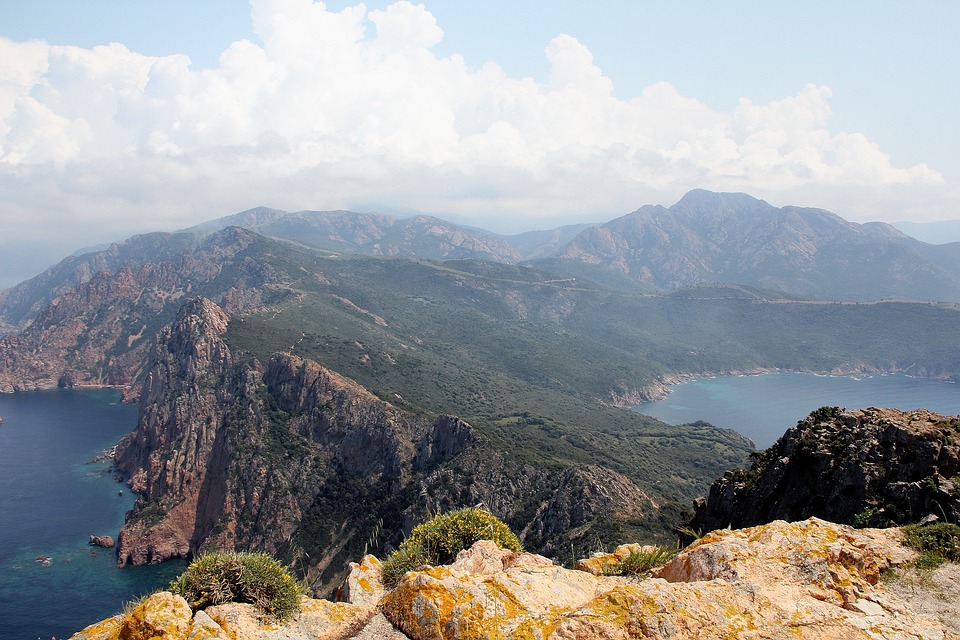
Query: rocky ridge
{"points": [[91, 320], [375, 234], [808, 579], [876, 467], [295, 460]]}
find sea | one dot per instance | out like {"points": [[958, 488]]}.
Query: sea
{"points": [[763, 407], [53, 496]]}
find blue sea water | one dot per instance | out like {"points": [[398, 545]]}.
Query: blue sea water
{"points": [[763, 407], [52, 498]]}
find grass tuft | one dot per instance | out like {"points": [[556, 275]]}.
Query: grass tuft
{"points": [[253, 578], [438, 541], [639, 564]]}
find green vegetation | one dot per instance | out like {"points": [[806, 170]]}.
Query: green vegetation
{"points": [[936, 543], [439, 540], [825, 414], [532, 362], [639, 564], [862, 520], [254, 578]]}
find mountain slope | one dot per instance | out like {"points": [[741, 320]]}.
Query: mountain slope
{"points": [[404, 323], [736, 238], [296, 460], [372, 234]]}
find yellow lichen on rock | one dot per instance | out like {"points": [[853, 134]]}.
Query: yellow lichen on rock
{"points": [[107, 629], [161, 616], [810, 579], [364, 583]]}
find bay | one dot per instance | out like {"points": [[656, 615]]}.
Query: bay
{"points": [[52, 498], [763, 407]]}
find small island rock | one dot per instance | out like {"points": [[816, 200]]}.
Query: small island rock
{"points": [[102, 541]]}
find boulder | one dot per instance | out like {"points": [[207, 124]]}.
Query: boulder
{"points": [[810, 579], [162, 615], [167, 616], [364, 584], [318, 620]]}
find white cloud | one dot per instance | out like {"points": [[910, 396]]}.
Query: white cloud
{"points": [[337, 108]]}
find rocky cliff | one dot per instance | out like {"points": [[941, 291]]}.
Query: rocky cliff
{"points": [[295, 460], [875, 467], [91, 320], [809, 579]]}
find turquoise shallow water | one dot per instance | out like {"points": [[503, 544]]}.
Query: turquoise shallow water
{"points": [[52, 498], [763, 407]]}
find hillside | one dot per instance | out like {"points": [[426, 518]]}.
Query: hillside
{"points": [[400, 324], [288, 457], [705, 237], [376, 234]]}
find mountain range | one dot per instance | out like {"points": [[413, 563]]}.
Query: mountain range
{"points": [[416, 365], [705, 237]]}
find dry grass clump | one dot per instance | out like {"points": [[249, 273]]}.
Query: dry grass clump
{"points": [[438, 541], [254, 578]]}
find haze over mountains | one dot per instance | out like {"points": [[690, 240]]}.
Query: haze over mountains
{"points": [[705, 237]]}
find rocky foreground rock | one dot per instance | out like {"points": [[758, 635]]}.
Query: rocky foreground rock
{"points": [[871, 467], [808, 579]]}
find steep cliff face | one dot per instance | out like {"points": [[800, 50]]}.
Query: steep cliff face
{"points": [[229, 454], [296, 460], [874, 466]]}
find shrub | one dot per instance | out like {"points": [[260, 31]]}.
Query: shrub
{"points": [[438, 541], [862, 520], [936, 543], [254, 578], [640, 563]]}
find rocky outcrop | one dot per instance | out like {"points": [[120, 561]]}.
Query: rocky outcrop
{"points": [[107, 542], [298, 461], [164, 615], [809, 579], [233, 455], [875, 467]]}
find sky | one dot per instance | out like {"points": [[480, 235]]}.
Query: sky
{"points": [[128, 116]]}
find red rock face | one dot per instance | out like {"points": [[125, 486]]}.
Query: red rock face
{"points": [[99, 325]]}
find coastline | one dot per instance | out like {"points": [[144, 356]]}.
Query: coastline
{"points": [[128, 393], [662, 387]]}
